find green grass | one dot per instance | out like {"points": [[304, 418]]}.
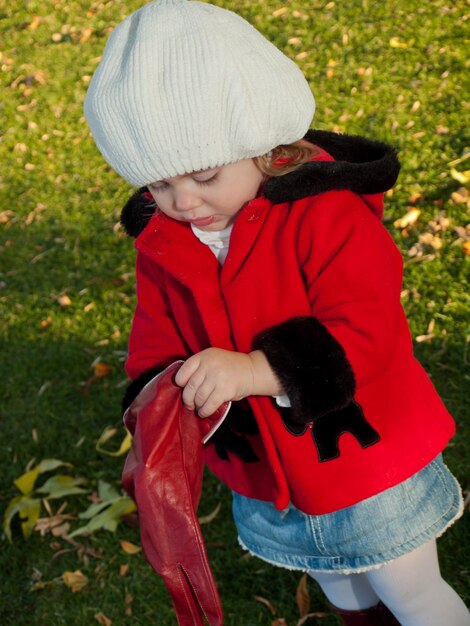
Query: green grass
{"points": [[60, 238]]}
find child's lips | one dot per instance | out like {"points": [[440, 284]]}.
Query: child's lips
{"points": [[202, 221]]}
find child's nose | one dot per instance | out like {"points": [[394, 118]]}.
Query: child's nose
{"points": [[185, 200]]}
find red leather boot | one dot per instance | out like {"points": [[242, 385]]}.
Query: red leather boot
{"points": [[163, 474], [377, 615]]}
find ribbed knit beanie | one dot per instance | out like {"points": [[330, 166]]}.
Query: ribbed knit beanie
{"points": [[184, 86]]}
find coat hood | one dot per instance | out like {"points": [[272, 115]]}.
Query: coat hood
{"points": [[348, 162]]}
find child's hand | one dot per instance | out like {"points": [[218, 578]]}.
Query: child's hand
{"points": [[215, 376]]}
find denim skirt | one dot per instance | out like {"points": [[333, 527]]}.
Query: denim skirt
{"points": [[357, 538]]}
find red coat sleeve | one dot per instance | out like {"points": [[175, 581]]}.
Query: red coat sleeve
{"points": [[154, 338], [353, 274]]}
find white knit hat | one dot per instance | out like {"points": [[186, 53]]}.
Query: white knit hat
{"points": [[186, 86]]}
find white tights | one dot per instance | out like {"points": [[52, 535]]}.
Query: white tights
{"points": [[411, 587]]}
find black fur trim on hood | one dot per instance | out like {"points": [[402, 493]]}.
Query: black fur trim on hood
{"points": [[361, 165], [137, 212]]}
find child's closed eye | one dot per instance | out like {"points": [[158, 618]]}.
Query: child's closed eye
{"points": [[207, 181], [162, 185]]}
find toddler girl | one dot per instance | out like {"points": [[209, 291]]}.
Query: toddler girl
{"points": [[262, 263]]}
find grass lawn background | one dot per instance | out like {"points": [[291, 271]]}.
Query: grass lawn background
{"points": [[391, 70]]}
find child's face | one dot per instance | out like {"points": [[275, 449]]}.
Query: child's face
{"points": [[209, 199]]}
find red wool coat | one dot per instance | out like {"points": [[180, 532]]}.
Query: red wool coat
{"points": [[326, 258]]}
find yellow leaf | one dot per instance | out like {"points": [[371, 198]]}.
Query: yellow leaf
{"points": [[408, 219], [107, 434], [128, 547], [27, 509], [102, 619], [466, 248], [279, 12], [302, 596], [462, 177], [76, 581], [25, 483], [396, 43]]}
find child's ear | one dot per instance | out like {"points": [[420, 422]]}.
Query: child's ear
{"points": [[137, 212]]}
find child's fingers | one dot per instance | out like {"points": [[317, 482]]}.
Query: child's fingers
{"points": [[185, 372], [210, 406], [191, 388], [203, 393]]}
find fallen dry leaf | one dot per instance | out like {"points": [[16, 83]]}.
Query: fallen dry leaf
{"points": [[266, 603], [102, 619], [76, 581], [5, 216], [460, 196], [305, 618], [429, 333], [34, 23], [409, 219], [86, 34], [302, 596], [279, 622], [37, 586], [64, 300], [123, 569], [61, 531], [206, 519], [102, 369], [47, 322], [128, 547], [428, 239], [45, 525]]}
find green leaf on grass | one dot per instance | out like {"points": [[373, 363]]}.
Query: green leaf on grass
{"points": [[61, 485], [107, 519], [107, 492]]}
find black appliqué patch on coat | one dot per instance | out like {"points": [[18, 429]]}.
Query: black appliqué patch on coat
{"points": [[327, 430]]}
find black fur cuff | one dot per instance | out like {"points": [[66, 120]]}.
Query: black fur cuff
{"points": [[311, 366], [136, 386]]}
